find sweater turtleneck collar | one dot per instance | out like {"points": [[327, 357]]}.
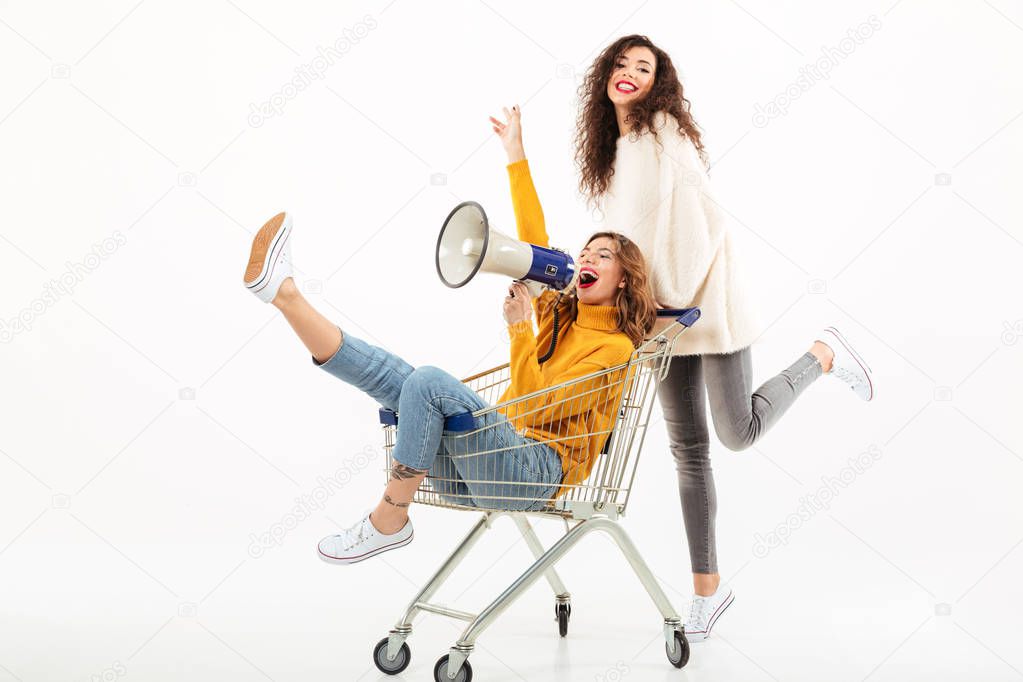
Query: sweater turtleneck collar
{"points": [[600, 317]]}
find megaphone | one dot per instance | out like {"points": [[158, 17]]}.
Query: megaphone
{"points": [[467, 245]]}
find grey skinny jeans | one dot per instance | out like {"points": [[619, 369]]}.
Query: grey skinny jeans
{"points": [[741, 416]]}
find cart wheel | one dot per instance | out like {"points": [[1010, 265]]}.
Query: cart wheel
{"points": [[563, 613], [681, 656], [440, 671], [400, 661]]}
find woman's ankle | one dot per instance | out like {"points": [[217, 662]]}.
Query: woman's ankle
{"points": [[287, 293], [388, 522], [824, 355], [706, 584]]}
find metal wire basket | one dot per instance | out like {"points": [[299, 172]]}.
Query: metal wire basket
{"points": [[608, 409]]}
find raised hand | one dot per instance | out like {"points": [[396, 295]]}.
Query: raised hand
{"points": [[510, 132]]}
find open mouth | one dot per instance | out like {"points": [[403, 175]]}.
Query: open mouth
{"points": [[587, 278], [625, 87]]}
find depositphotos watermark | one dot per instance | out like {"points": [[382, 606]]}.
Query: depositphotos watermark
{"points": [[74, 273], [814, 72], [115, 671], [306, 74], [1012, 332], [306, 505], [816, 501], [614, 674]]}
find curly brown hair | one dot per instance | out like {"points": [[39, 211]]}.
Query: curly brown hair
{"points": [[637, 308], [597, 125]]}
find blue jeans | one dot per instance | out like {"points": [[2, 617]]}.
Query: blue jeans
{"points": [[511, 472]]}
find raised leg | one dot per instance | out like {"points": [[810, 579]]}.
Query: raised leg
{"points": [[319, 335]]}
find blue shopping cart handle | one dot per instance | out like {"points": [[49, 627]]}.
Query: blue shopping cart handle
{"points": [[685, 316], [456, 422]]}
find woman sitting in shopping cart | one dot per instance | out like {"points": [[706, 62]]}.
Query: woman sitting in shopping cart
{"points": [[516, 458]]}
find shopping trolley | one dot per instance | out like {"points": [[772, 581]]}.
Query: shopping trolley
{"points": [[612, 406]]}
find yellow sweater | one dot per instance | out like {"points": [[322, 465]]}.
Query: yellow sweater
{"points": [[591, 343]]}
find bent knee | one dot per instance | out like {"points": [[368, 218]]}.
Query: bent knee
{"points": [[737, 440], [429, 372], [426, 376]]}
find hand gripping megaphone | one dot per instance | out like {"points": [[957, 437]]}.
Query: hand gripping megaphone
{"points": [[468, 245]]}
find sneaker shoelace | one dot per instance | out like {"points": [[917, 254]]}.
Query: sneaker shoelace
{"points": [[698, 613], [847, 376], [350, 537]]}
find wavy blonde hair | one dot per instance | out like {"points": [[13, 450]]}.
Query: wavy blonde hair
{"points": [[637, 309]]}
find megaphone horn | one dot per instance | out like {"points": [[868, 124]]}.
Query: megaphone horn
{"points": [[468, 245]]}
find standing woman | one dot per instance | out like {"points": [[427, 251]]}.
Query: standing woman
{"points": [[642, 162]]}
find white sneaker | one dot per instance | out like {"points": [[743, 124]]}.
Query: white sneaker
{"points": [[362, 541], [705, 611], [848, 366], [270, 258]]}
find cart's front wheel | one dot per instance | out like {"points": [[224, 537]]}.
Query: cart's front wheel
{"points": [[400, 661], [681, 655], [563, 612], [440, 671]]}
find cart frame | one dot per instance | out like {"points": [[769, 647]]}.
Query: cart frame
{"points": [[595, 505]]}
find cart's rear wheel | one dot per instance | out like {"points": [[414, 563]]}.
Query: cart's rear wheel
{"points": [[681, 655], [440, 671], [563, 613], [400, 661]]}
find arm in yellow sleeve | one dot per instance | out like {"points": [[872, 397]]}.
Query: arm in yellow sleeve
{"points": [[528, 214], [567, 401], [529, 221]]}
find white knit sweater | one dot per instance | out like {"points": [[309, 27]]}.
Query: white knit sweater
{"points": [[661, 198]]}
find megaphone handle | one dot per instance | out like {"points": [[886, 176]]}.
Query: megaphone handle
{"points": [[534, 288]]}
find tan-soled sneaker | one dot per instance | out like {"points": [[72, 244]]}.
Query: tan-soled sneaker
{"points": [[270, 258]]}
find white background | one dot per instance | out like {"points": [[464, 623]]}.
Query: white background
{"points": [[156, 416]]}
